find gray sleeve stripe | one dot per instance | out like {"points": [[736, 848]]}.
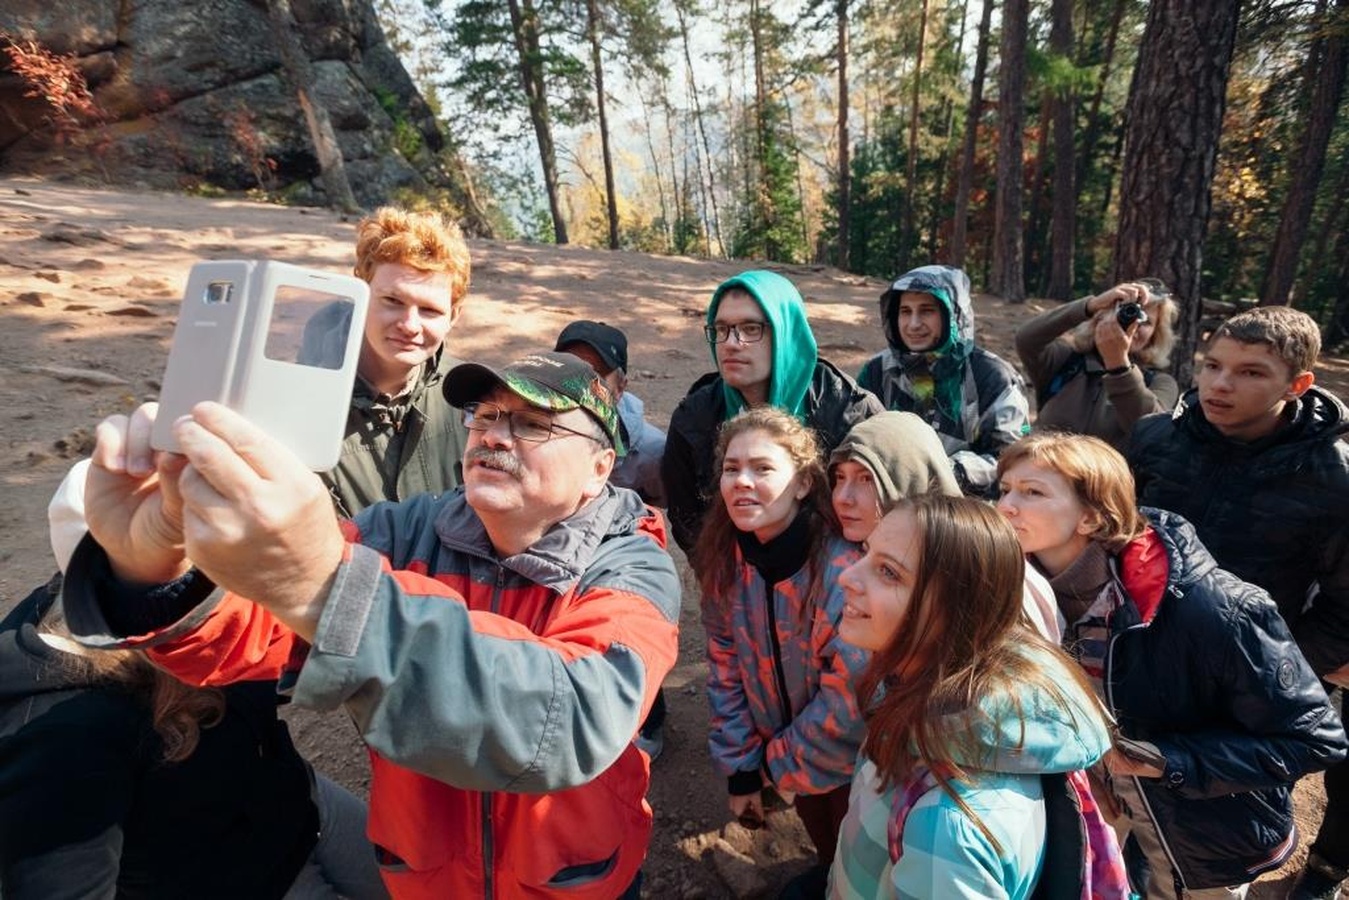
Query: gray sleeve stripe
{"points": [[349, 603]]}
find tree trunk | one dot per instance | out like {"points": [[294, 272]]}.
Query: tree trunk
{"points": [[1175, 115], [800, 179], [610, 198], [300, 76], [666, 222], [965, 180], [1034, 240], [1337, 331], [1008, 277], [1323, 79], [709, 185], [844, 149], [525, 30], [1064, 218], [911, 163], [761, 191]]}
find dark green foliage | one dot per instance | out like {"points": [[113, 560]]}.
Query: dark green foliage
{"points": [[770, 226]]}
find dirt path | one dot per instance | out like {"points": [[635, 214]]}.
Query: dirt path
{"points": [[91, 280]]}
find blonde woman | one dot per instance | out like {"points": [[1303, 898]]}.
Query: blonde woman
{"points": [[1097, 364]]}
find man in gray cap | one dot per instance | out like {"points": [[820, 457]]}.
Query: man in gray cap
{"points": [[606, 349], [496, 646]]}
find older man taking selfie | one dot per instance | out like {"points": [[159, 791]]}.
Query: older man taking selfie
{"points": [[496, 646]]}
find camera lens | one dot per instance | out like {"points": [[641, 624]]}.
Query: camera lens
{"points": [[1129, 313]]}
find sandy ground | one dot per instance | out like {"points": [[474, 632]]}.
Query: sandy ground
{"points": [[89, 288]]}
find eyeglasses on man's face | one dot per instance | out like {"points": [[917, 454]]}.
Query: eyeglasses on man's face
{"points": [[524, 424], [745, 332]]}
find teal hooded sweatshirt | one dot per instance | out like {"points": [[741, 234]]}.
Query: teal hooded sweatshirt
{"points": [[794, 349]]}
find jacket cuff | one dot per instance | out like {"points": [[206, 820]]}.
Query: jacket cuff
{"points": [[742, 783], [102, 610], [331, 667], [1176, 775]]}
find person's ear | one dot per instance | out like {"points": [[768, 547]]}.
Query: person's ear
{"points": [[803, 485], [456, 310], [1298, 387], [1089, 522], [603, 464]]}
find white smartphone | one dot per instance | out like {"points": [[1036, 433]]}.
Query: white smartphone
{"points": [[275, 342]]}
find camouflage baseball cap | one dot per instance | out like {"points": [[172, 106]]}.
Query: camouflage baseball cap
{"points": [[551, 380]]}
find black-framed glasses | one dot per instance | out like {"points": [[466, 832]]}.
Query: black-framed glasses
{"points": [[745, 332], [524, 424]]}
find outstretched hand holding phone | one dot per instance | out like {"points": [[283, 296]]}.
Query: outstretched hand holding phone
{"points": [[235, 503]]}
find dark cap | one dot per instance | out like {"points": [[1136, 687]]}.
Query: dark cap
{"points": [[555, 381], [606, 340]]}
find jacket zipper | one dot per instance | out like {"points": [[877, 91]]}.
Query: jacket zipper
{"points": [[489, 889], [1138, 784], [778, 674]]}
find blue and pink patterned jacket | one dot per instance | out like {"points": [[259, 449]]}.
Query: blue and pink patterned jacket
{"points": [[781, 683]]}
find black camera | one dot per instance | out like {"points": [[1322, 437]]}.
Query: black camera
{"points": [[1129, 313]]}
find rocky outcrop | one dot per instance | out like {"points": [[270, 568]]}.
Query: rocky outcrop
{"points": [[194, 94]]}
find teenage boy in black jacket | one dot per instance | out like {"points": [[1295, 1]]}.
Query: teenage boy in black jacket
{"points": [[1253, 458]]}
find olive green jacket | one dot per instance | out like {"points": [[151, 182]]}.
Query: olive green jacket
{"points": [[397, 447]]}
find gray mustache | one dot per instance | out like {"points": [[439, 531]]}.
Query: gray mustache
{"points": [[496, 459]]}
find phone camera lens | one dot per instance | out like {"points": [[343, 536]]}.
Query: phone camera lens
{"points": [[218, 292]]}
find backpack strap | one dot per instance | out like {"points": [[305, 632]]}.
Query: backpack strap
{"points": [[1074, 366], [1082, 858], [920, 781]]}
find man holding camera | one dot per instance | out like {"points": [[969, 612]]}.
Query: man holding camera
{"points": [[496, 646]]}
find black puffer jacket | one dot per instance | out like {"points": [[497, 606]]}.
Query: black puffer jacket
{"points": [[89, 808], [1274, 512], [1216, 682], [833, 405]]}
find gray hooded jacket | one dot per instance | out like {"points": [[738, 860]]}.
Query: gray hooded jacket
{"points": [[978, 404]]}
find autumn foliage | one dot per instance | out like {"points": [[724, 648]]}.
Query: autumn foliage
{"points": [[56, 81]]}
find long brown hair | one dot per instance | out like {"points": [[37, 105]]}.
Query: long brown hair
{"points": [[714, 557], [178, 711], [962, 638]]}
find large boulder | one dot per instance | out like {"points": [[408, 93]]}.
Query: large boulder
{"points": [[194, 94]]}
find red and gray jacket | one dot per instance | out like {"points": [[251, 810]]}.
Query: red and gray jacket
{"points": [[498, 696]]}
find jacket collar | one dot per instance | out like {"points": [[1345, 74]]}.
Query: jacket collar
{"points": [[1317, 415], [559, 558]]}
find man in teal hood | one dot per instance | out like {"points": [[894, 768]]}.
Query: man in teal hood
{"points": [[765, 354]]}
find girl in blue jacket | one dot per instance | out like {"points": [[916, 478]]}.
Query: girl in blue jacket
{"points": [[972, 707]]}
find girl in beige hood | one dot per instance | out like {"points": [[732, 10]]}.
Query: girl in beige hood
{"points": [[895, 455]]}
